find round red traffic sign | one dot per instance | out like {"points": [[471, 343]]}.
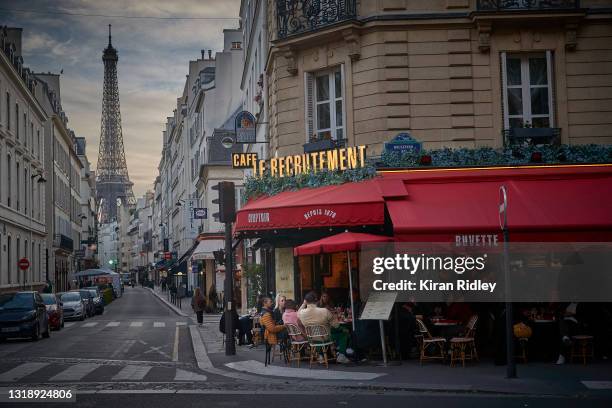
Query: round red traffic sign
{"points": [[24, 264]]}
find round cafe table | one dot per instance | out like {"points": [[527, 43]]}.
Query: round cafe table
{"points": [[446, 328]]}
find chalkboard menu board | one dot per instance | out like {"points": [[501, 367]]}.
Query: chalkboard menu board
{"points": [[379, 306]]}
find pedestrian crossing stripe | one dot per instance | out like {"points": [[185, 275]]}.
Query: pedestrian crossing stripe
{"points": [[181, 323], [76, 372], [113, 324], [132, 372], [136, 324], [21, 371], [159, 324], [90, 324]]}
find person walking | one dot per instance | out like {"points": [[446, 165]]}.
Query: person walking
{"points": [[197, 304]]}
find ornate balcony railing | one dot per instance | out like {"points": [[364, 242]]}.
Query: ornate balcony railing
{"points": [[299, 16], [63, 242], [509, 5]]}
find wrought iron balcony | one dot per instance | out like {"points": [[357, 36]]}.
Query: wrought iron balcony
{"points": [[300, 16], [510, 5], [532, 136], [61, 241]]}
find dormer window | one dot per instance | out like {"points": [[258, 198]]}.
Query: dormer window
{"points": [[236, 45]]}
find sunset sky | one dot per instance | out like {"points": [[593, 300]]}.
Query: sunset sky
{"points": [[70, 35]]}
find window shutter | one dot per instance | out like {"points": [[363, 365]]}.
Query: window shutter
{"points": [[309, 101], [504, 79]]}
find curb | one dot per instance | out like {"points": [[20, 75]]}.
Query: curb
{"points": [[170, 305], [206, 365]]}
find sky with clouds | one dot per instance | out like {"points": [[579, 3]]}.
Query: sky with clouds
{"points": [[153, 62]]}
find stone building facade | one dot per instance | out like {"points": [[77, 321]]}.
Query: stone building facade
{"points": [[453, 73]]}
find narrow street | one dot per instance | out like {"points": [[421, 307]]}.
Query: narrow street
{"points": [[136, 339]]}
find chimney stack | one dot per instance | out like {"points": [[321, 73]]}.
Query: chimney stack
{"points": [[209, 54], [202, 51]]}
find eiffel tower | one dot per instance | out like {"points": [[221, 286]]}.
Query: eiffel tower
{"points": [[113, 185]]}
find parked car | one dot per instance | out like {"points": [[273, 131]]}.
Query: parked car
{"points": [[73, 305], [90, 308], [98, 300], [54, 310], [23, 314]]}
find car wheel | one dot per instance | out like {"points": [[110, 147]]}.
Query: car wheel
{"points": [[62, 324], [82, 317], [36, 332]]}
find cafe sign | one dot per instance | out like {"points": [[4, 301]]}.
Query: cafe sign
{"points": [[344, 158]]}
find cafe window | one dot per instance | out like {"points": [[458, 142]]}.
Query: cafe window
{"points": [[527, 90], [325, 115]]}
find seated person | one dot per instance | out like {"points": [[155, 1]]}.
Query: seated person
{"points": [[325, 301], [271, 329], [310, 314], [290, 317]]}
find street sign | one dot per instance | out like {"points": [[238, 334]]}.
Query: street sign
{"points": [[402, 143], [200, 213], [245, 127], [168, 256], [23, 264]]}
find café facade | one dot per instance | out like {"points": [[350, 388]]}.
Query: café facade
{"points": [[545, 203]]}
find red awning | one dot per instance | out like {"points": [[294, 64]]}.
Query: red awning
{"points": [[556, 203], [345, 241], [349, 204]]}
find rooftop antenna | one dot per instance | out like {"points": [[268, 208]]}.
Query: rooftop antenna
{"points": [[109, 34]]}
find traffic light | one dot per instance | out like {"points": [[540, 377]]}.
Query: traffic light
{"points": [[226, 201]]}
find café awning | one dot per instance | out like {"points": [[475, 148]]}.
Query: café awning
{"points": [[345, 241], [349, 204], [552, 203], [205, 249]]}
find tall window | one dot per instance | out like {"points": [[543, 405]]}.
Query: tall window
{"points": [[325, 104], [38, 144], [32, 137], [8, 111], [17, 256], [9, 180], [527, 90], [17, 120], [25, 129], [26, 191], [9, 258], [17, 185]]}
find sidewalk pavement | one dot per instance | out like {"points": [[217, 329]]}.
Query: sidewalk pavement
{"points": [[185, 306], [484, 377]]}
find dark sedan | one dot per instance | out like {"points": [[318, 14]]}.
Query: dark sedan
{"points": [[55, 311], [98, 301], [23, 314]]}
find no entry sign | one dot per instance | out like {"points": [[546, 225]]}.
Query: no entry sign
{"points": [[23, 264]]}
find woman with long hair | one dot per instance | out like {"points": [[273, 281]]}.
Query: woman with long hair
{"points": [[279, 308]]}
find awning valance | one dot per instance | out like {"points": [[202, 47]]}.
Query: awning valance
{"points": [[349, 204], [555, 203], [205, 249]]}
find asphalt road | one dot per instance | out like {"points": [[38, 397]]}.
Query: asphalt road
{"points": [[136, 339], [335, 400]]}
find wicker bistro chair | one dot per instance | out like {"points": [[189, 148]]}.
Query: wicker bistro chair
{"points": [[319, 341], [582, 348], [296, 343], [428, 342], [257, 331], [464, 347]]}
